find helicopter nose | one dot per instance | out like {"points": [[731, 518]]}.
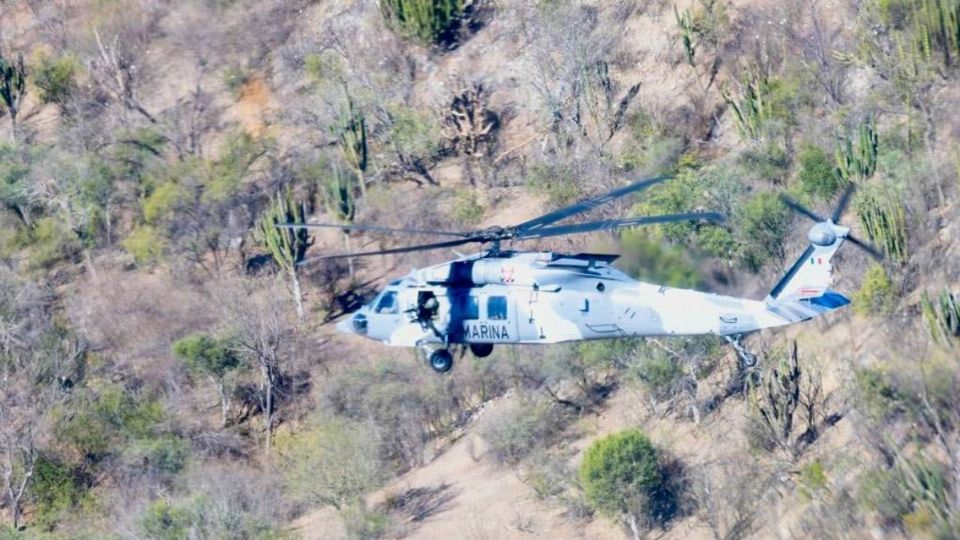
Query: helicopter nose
{"points": [[354, 324]]}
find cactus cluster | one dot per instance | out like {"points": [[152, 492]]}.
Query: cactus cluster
{"points": [[336, 192], [13, 86], [942, 315], [856, 157], [430, 21], [286, 246], [687, 34], [751, 110], [937, 29], [882, 214], [351, 132]]}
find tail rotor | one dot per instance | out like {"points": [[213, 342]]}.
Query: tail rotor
{"points": [[827, 230]]}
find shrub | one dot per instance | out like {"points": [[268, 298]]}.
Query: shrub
{"points": [[555, 183], [55, 78], [430, 21], [522, 427], [163, 520], [146, 244], [333, 462], [414, 133], [877, 294], [760, 225], [363, 523], [622, 476], [467, 208], [816, 173], [55, 489], [51, 242], [207, 355], [812, 480], [658, 372]]}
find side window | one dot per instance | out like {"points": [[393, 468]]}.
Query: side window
{"points": [[471, 308], [388, 303], [497, 308]]}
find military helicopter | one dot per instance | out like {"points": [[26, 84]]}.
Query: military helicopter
{"points": [[505, 297]]}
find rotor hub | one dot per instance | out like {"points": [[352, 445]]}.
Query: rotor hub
{"points": [[822, 234]]}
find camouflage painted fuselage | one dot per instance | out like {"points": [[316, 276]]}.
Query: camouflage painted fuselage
{"points": [[543, 297]]}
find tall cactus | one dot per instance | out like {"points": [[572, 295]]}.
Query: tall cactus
{"points": [[430, 21], [857, 161], [337, 195], [751, 111], [13, 86], [883, 217], [942, 316], [286, 246], [687, 34], [351, 132]]}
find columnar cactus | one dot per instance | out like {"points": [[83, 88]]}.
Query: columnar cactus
{"points": [[287, 246], [13, 86]]}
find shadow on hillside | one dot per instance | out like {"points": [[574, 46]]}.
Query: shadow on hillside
{"points": [[420, 503]]}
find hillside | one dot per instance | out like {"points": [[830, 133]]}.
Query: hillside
{"points": [[167, 371]]}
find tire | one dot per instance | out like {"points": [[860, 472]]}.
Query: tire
{"points": [[441, 360], [481, 350]]}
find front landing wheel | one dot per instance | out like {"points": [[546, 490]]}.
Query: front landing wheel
{"points": [[441, 360], [481, 350]]}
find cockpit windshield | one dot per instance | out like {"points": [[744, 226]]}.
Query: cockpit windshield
{"points": [[387, 303]]}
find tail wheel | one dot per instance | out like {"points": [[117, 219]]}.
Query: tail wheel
{"points": [[441, 360], [481, 350]]}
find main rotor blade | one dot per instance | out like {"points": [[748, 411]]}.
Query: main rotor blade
{"points": [[407, 249], [589, 204], [801, 208], [366, 228], [843, 202], [578, 228], [872, 251]]}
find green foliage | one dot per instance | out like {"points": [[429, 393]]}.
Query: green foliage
{"points": [[166, 453], [55, 489], [622, 474], [336, 192], [146, 244], [881, 398], [760, 225], [413, 133], [101, 419], [883, 216], [430, 21], [466, 207], [812, 480], [224, 178], [816, 173], [913, 493], [235, 78], [286, 246], [164, 201], [556, 183], [332, 462], [522, 427], [55, 78], [765, 105], [857, 161], [163, 520], [51, 242], [658, 372], [363, 523], [351, 133], [650, 146], [877, 294], [207, 355], [942, 316], [15, 166], [687, 34]]}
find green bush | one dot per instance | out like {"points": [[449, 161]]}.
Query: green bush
{"points": [[812, 480], [658, 372], [555, 183], [430, 21], [51, 242], [235, 78], [760, 225], [54, 490], [207, 355], [146, 244], [816, 173], [165, 454], [55, 78], [413, 133], [877, 294], [162, 520], [467, 208], [622, 476], [363, 523]]}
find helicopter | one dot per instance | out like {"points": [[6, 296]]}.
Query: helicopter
{"points": [[508, 297]]}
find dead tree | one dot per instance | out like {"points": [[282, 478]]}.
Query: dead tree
{"points": [[470, 124]]}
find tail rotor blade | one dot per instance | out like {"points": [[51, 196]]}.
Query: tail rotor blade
{"points": [[843, 202], [796, 206], [872, 251]]}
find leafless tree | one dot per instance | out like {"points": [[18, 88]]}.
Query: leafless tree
{"points": [[258, 318]]}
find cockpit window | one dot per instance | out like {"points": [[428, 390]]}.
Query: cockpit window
{"points": [[388, 303], [497, 308]]}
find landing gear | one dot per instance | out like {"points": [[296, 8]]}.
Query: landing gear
{"points": [[747, 359], [481, 350], [441, 360]]}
